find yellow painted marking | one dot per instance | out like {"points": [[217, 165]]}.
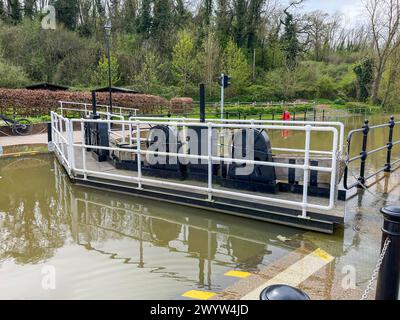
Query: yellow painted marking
{"points": [[199, 295], [295, 274], [237, 274], [323, 255]]}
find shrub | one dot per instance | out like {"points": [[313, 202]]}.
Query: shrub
{"points": [[359, 107], [326, 87], [181, 105], [339, 101], [38, 102], [11, 76]]}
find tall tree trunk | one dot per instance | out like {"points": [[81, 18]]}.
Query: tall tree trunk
{"points": [[376, 84]]}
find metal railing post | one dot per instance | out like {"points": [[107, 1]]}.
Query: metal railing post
{"points": [[306, 170], [139, 154], [392, 124], [70, 138], [364, 154], [209, 151], [83, 137], [389, 273]]}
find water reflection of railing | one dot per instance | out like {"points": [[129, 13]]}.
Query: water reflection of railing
{"points": [[96, 219]]}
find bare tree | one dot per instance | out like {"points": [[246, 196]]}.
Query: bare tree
{"points": [[384, 20]]}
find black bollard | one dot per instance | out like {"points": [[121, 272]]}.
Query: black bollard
{"points": [[282, 292], [202, 103], [94, 103], [364, 154], [389, 273], [392, 124], [49, 132]]}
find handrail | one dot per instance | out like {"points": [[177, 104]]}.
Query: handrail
{"points": [[364, 154], [210, 190], [132, 111]]}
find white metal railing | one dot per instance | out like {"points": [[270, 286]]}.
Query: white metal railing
{"points": [[289, 124], [87, 108], [142, 181]]}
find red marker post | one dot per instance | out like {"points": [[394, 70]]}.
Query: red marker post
{"points": [[286, 116]]}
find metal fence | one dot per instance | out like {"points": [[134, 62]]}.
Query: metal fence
{"points": [[86, 109], [66, 148], [365, 153]]}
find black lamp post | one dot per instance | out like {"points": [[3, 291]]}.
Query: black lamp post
{"points": [[107, 29]]}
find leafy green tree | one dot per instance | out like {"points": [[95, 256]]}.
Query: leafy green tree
{"points": [[209, 59], [3, 15], [223, 22], [15, 11], [290, 41], [161, 27], [145, 18], [183, 59], [100, 76], [29, 8], [239, 22], [365, 76], [236, 66], [130, 15], [67, 12], [148, 77]]}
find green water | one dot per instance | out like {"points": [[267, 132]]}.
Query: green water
{"points": [[107, 245]]}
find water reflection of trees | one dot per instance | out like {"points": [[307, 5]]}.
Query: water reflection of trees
{"points": [[42, 210], [32, 223]]}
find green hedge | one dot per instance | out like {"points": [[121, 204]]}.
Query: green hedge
{"points": [[359, 107]]}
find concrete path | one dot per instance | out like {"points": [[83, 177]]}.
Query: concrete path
{"points": [[32, 139], [18, 140]]}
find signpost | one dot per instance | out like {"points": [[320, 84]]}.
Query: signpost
{"points": [[224, 81]]}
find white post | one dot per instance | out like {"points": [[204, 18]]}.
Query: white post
{"points": [[210, 180], [139, 155], [70, 139], [61, 131], [306, 170], [83, 150], [222, 96]]}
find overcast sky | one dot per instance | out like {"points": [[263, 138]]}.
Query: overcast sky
{"points": [[351, 9]]}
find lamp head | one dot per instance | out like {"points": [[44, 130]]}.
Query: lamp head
{"points": [[107, 28]]}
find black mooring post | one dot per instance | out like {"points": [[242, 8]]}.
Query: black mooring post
{"points": [[364, 154], [389, 273], [323, 115], [315, 114], [202, 103], [305, 115], [49, 132], [392, 124]]}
